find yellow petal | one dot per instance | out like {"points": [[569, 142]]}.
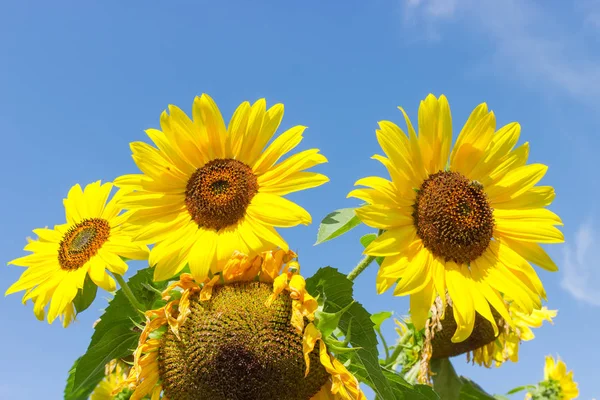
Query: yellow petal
{"points": [[396, 146], [531, 215], [416, 275], [266, 233], [170, 151], [298, 162], [237, 128], [75, 207], [295, 182], [270, 123], [283, 144], [277, 211], [435, 132], [473, 140], [527, 232], [536, 197], [420, 303], [392, 242], [190, 138], [34, 276], [501, 145], [382, 217], [463, 307], [516, 159], [100, 277], [211, 117], [516, 182], [65, 292], [415, 150], [203, 254], [96, 195], [532, 252], [112, 262]]}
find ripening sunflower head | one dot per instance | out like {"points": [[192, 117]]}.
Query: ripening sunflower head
{"points": [[466, 220], [208, 190], [558, 384], [245, 333], [92, 241]]}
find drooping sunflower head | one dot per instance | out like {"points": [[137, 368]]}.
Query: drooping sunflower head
{"points": [[505, 346], [558, 384], [463, 221], [208, 190], [92, 241], [485, 346], [245, 333]]}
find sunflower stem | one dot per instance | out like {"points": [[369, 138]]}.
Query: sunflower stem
{"points": [[384, 343], [398, 348], [360, 267], [363, 264], [129, 294]]}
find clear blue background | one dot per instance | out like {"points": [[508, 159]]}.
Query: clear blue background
{"points": [[78, 82]]}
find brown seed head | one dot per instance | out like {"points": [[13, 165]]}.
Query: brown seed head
{"points": [[218, 194], [453, 217]]}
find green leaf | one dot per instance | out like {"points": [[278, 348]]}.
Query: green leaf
{"points": [[115, 336], [335, 290], [450, 386], [521, 388], [472, 391], [328, 322], [70, 394], [337, 223], [86, 295], [446, 382], [366, 240], [402, 389], [380, 318]]}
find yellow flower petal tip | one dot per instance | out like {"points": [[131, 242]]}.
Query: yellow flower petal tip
{"points": [[254, 294], [207, 189], [464, 220], [93, 240]]}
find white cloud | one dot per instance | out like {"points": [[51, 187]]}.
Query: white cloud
{"points": [[527, 40], [581, 269]]}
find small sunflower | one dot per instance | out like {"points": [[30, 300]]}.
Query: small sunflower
{"points": [[92, 241], [246, 333], [466, 220], [558, 384], [208, 190], [116, 373]]}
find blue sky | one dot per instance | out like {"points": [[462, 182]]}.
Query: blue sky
{"points": [[79, 82]]}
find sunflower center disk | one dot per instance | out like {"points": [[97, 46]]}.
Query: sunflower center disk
{"points": [[234, 347], [218, 194], [81, 242], [453, 217]]}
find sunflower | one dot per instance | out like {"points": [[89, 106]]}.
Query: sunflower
{"points": [[506, 345], [116, 373], [208, 190], [466, 220], [91, 241], [415, 348], [244, 333], [557, 383]]}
